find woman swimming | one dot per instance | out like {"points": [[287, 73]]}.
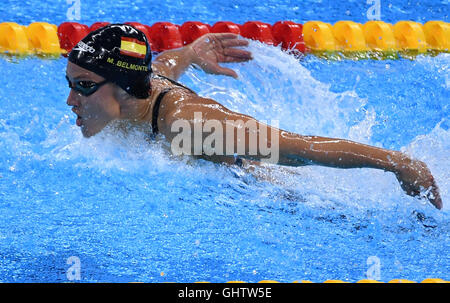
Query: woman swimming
{"points": [[112, 77]]}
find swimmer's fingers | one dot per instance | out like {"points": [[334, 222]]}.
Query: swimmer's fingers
{"points": [[234, 43], [227, 72], [229, 49], [434, 197], [224, 36], [236, 55], [214, 68], [211, 49], [415, 178], [433, 194]]}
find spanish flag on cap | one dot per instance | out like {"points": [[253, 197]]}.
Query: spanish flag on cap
{"points": [[133, 47]]}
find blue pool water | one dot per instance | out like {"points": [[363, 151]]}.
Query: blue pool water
{"points": [[131, 212]]}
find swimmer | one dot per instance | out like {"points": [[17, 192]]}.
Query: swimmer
{"points": [[112, 77]]}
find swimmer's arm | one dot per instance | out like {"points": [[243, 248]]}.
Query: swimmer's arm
{"points": [[173, 63], [291, 149], [413, 175], [333, 152], [206, 52]]}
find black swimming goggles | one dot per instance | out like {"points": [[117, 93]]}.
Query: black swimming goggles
{"points": [[85, 87]]}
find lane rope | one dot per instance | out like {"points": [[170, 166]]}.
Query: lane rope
{"points": [[348, 39]]}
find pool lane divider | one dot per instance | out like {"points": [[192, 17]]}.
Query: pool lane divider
{"points": [[344, 39]]}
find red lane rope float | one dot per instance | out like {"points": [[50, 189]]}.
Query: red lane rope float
{"points": [[256, 30], [145, 29], [97, 25], [70, 33], [289, 34], [225, 27], [165, 36], [192, 30]]}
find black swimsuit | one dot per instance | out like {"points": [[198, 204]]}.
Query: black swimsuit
{"points": [[159, 99]]}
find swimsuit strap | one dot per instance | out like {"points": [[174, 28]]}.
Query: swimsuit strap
{"points": [[156, 110], [174, 82], [159, 99]]}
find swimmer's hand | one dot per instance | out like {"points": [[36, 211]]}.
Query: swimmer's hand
{"points": [[415, 179], [211, 49]]}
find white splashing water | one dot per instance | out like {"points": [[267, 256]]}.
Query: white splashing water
{"points": [[275, 86]]}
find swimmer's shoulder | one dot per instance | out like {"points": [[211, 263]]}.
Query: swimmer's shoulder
{"points": [[179, 104], [176, 95]]}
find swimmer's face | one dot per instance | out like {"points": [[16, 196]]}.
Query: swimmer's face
{"points": [[95, 111]]}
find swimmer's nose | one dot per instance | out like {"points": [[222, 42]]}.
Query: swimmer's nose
{"points": [[73, 99]]}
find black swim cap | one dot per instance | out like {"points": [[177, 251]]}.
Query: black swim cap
{"points": [[119, 53]]}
